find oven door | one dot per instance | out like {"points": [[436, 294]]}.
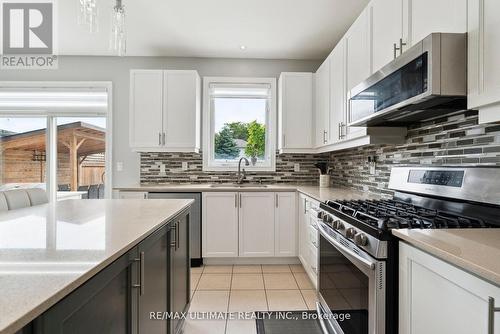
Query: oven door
{"points": [[351, 286]]}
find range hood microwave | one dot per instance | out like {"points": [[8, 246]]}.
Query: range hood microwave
{"points": [[428, 80]]}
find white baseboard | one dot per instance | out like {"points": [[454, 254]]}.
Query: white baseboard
{"points": [[250, 260]]}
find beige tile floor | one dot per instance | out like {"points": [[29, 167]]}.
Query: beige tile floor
{"points": [[246, 288]]}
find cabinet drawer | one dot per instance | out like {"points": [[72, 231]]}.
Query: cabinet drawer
{"points": [[313, 236]]}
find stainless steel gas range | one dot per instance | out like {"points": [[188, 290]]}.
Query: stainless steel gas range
{"points": [[358, 254]]}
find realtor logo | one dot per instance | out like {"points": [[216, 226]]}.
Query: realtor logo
{"points": [[28, 35]]}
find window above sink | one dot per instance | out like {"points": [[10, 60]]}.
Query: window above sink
{"points": [[239, 121]]}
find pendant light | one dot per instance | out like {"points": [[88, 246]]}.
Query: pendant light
{"points": [[118, 38]]}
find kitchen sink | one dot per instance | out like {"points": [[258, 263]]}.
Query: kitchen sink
{"points": [[235, 185]]}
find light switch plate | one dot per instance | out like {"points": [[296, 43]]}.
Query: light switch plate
{"points": [[185, 165], [296, 167]]}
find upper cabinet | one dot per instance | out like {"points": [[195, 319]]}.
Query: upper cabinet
{"points": [[295, 112], [398, 24], [387, 31], [484, 52], [357, 44], [322, 104], [165, 111], [423, 17]]}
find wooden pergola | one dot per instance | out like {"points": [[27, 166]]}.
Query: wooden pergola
{"points": [[79, 139]]}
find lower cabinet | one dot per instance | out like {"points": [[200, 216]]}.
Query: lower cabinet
{"points": [[436, 297], [152, 277], [220, 224], [256, 224], [249, 224], [180, 288], [308, 236]]}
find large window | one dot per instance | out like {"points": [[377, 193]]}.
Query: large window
{"points": [[239, 116], [55, 138]]}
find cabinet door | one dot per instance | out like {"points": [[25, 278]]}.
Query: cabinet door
{"points": [[220, 224], [433, 292], [146, 104], [256, 232], [285, 242], [423, 17], [179, 271], [484, 53], [358, 62], [303, 222], [181, 120], [337, 92], [101, 305], [387, 26], [322, 104], [295, 112], [153, 293]]}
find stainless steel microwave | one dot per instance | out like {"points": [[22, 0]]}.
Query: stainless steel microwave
{"points": [[428, 80]]}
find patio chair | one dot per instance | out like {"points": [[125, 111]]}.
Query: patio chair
{"points": [[17, 199], [94, 191], [63, 187], [37, 196], [84, 188]]}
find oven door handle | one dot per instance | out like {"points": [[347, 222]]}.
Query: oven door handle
{"points": [[343, 249]]}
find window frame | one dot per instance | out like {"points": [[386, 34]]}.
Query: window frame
{"points": [[51, 130], [209, 163]]}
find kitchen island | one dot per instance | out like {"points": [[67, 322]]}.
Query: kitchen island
{"points": [[61, 263]]}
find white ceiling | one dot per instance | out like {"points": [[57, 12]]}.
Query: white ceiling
{"points": [[273, 29]]}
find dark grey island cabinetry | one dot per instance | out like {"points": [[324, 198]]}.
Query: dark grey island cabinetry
{"points": [[149, 281]]}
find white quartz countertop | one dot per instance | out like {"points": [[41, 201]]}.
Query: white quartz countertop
{"points": [[48, 251], [474, 250], [315, 192]]}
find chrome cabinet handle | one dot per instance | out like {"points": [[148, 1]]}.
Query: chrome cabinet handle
{"points": [[400, 48], [173, 230], [324, 136], [159, 138], [141, 274], [178, 237], [305, 205], [395, 50], [284, 140], [235, 200], [239, 200], [276, 200], [164, 140], [491, 315]]}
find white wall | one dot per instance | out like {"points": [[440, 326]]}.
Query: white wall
{"points": [[115, 69]]}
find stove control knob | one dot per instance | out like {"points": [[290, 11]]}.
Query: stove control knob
{"points": [[350, 233], [328, 219], [338, 225], [320, 214], [361, 239]]}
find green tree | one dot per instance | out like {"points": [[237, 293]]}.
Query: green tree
{"points": [[225, 147], [256, 143], [239, 130]]}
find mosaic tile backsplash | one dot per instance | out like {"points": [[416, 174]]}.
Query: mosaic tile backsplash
{"points": [[453, 140], [152, 165]]}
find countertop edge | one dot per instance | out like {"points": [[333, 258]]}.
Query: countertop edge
{"points": [[470, 267], [39, 309]]}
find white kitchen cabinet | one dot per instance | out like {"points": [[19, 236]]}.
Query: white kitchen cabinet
{"points": [[322, 104], [358, 64], [387, 29], [483, 55], [182, 116], [307, 248], [256, 224], [295, 112], [146, 105], [436, 297], [338, 94], [220, 224], [285, 232], [358, 57], [423, 17], [165, 111], [303, 220]]}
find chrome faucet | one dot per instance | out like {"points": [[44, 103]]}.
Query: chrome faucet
{"points": [[240, 177]]}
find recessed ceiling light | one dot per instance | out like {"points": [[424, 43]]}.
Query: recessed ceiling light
{"points": [[243, 47]]}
